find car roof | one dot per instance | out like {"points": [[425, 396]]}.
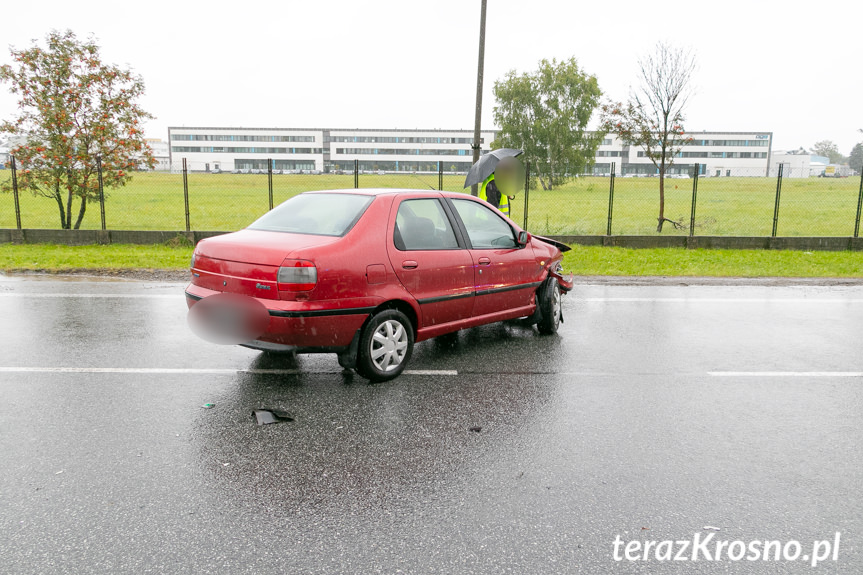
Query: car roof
{"points": [[386, 191]]}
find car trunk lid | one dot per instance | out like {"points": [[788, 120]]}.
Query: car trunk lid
{"points": [[247, 262]]}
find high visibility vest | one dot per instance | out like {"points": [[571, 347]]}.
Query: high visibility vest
{"points": [[504, 199]]}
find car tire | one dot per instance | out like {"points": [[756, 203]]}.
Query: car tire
{"points": [[548, 300], [385, 346]]}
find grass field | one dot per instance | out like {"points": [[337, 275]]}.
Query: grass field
{"points": [[586, 261], [53, 257], [726, 206]]}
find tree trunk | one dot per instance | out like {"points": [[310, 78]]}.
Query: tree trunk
{"points": [[81, 213], [538, 173], [661, 197], [59, 199], [67, 225]]}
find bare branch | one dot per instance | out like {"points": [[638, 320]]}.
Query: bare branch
{"points": [[654, 115]]}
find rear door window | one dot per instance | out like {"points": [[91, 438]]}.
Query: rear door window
{"points": [[315, 214]]}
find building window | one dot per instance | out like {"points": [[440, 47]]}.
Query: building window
{"points": [[402, 152], [241, 150], [238, 138]]}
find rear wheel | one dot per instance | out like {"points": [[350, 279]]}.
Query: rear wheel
{"points": [[548, 300], [385, 346]]}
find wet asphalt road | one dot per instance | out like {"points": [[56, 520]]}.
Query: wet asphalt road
{"points": [[656, 412]]}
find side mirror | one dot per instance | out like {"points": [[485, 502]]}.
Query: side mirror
{"points": [[523, 238]]}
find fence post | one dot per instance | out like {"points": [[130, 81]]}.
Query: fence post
{"points": [[101, 190], [856, 222], [18, 206], [776, 207], [356, 173], [440, 176], [694, 194], [611, 197], [270, 179], [186, 192], [526, 193]]}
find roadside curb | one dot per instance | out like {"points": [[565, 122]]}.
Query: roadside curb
{"points": [[714, 281]]}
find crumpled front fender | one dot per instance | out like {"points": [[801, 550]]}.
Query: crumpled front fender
{"points": [[566, 283]]}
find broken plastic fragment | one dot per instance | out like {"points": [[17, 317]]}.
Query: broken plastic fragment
{"points": [[267, 416], [208, 406]]}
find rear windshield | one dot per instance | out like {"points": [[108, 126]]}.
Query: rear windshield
{"points": [[315, 214]]}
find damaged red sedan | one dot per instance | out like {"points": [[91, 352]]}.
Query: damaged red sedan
{"points": [[367, 273]]}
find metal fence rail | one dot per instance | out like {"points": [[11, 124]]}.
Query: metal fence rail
{"points": [[787, 203]]}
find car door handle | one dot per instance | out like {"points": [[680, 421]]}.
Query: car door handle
{"points": [[484, 261], [410, 265]]}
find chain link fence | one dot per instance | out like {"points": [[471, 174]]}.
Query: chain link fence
{"points": [[784, 202]]}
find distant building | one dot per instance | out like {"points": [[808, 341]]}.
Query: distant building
{"points": [[798, 163], [718, 154], [161, 153], [6, 146], [159, 147], [323, 150]]}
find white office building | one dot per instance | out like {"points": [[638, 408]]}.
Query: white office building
{"points": [[322, 150], [161, 153], [719, 154], [798, 163]]}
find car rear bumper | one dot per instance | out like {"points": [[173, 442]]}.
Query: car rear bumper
{"points": [[303, 325]]}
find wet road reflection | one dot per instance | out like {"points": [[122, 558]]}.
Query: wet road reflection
{"points": [[614, 425]]}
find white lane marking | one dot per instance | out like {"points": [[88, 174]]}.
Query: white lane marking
{"points": [[96, 295], [719, 300], [199, 371], [786, 373], [430, 372]]}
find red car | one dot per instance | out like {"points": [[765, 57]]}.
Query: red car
{"points": [[366, 273]]}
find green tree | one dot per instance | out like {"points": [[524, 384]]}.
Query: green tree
{"points": [[830, 150], [855, 160], [545, 113], [73, 110], [653, 116]]}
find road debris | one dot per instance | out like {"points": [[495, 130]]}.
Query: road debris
{"points": [[267, 416]]}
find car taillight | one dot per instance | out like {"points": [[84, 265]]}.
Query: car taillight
{"points": [[297, 275]]}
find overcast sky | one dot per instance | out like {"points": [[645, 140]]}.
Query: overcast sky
{"points": [[790, 67]]}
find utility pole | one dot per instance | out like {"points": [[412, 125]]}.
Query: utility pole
{"points": [[479, 72]]}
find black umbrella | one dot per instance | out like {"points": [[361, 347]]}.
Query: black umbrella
{"points": [[487, 164]]}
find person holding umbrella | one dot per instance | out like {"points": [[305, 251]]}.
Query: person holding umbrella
{"points": [[499, 173]]}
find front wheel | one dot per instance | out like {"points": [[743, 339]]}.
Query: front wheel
{"points": [[548, 301], [385, 346]]}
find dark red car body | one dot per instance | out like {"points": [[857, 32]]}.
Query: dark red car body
{"points": [[368, 269]]}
